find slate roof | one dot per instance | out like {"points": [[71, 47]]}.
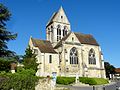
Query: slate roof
{"points": [[83, 38], [86, 39], [51, 19], [44, 46]]}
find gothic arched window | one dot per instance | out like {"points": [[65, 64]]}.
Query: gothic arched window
{"points": [[51, 33], [73, 56], [52, 29], [65, 31], [91, 57], [58, 32]]}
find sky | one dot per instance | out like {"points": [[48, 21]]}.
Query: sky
{"points": [[101, 18]]}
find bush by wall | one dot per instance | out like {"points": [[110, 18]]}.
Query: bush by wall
{"points": [[65, 80], [93, 81], [24, 80]]}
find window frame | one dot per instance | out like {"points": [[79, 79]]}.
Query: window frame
{"points": [[58, 32], [50, 58], [65, 31], [74, 56], [92, 57]]}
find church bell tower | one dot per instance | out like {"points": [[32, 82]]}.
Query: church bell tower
{"points": [[57, 27]]}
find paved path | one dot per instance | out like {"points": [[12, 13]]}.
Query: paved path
{"points": [[112, 86]]}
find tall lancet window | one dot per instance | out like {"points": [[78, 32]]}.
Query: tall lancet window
{"points": [[65, 31], [51, 33], [58, 32], [91, 57], [48, 32], [73, 56]]}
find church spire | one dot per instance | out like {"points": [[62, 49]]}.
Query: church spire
{"points": [[61, 9], [59, 16], [58, 26]]}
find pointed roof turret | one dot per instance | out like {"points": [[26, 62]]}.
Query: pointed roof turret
{"points": [[59, 16], [61, 9]]}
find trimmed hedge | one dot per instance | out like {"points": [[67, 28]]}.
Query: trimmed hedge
{"points": [[93, 81], [65, 80], [86, 80]]}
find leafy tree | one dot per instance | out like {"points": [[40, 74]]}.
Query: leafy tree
{"points": [[5, 64], [110, 69], [29, 53], [29, 59], [5, 35]]}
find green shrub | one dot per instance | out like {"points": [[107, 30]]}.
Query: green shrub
{"points": [[93, 81], [23, 80], [65, 80]]}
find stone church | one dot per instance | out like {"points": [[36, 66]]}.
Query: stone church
{"points": [[67, 53]]}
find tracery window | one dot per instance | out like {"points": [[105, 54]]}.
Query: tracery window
{"points": [[58, 32], [73, 56], [65, 31], [91, 57]]}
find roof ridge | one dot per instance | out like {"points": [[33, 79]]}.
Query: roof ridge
{"points": [[52, 17], [40, 39], [81, 33]]}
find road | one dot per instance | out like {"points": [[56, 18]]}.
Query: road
{"points": [[112, 86]]}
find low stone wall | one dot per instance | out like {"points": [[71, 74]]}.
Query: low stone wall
{"points": [[45, 84]]}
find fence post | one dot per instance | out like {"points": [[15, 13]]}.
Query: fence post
{"points": [[93, 87], [103, 87]]}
